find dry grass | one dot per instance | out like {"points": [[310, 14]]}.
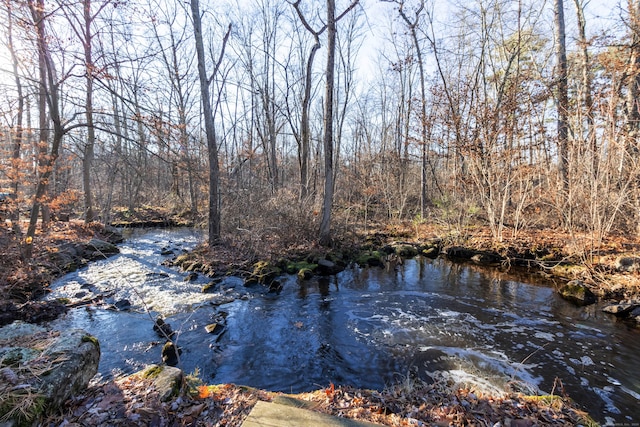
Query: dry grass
{"points": [[19, 396]]}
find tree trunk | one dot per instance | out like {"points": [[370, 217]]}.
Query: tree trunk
{"points": [[212, 144], [48, 96], [632, 147], [37, 14], [562, 96], [327, 141], [592, 146], [423, 104], [18, 133], [87, 161], [305, 128]]}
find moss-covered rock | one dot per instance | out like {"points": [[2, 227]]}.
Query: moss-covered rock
{"points": [[430, 251], [369, 258], [49, 366], [292, 267], [181, 259], [211, 286], [263, 273], [486, 258], [151, 372], [166, 380], [405, 250], [305, 274], [171, 353], [577, 292]]}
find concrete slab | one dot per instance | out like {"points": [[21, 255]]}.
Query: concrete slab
{"points": [[266, 414]]}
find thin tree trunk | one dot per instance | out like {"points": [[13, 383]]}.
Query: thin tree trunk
{"points": [[87, 161], [212, 144], [18, 133], [586, 87], [423, 105], [305, 128], [48, 96], [562, 96]]}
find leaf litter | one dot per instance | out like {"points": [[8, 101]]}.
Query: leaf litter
{"points": [[133, 401]]}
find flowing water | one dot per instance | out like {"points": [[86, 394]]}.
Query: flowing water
{"points": [[364, 327]]}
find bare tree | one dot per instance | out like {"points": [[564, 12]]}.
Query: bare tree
{"points": [[207, 111], [305, 128], [562, 94], [19, 131], [412, 23], [47, 101], [82, 24], [327, 138], [587, 96]]}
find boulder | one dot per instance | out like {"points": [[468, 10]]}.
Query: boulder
{"points": [[214, 328], [98, 249], [327, 267], [191, 277], [113, 234], [431, 252], [166, 380], [123, 305], [622, 309], [210, 287], [65, 260], [171, 353], [486, 258], [369, 258], [294, 267], [577, 292], [162, 328], [478, 257], [628, 264], [405, 250], [305, 274], [43, 368], [264, 273], [222, 299]]}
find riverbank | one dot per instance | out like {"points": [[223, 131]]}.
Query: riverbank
{"points": [[64, 247], [609, 269], [136, 401]]}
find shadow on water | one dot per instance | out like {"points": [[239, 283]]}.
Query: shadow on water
{"points": [[368, 328]]}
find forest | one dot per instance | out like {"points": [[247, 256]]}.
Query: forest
{"points": [[300, 118], [291, 129]]}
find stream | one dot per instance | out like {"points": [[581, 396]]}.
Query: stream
{"points": [[365, 327]]}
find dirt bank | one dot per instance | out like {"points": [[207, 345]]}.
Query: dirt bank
{"points": [[64, 247]]}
